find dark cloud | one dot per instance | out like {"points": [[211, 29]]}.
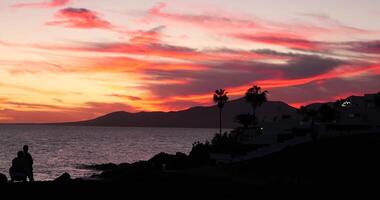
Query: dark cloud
{"points": [[371, 47], [234, 74], [327, 90], [308, 65]]}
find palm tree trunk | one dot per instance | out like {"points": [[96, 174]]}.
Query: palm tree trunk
{"points": [[253, 115], [220, 121]]}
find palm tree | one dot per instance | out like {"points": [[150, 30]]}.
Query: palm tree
{"points": [[220, 98], [255, 97]]}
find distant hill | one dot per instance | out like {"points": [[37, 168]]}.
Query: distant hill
{"points": [[196, 117]]}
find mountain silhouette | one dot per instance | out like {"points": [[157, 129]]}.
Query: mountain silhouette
{"points": [[195, 117]]}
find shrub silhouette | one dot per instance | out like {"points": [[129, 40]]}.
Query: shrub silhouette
{"points": [[199, 154], [244, 119]]}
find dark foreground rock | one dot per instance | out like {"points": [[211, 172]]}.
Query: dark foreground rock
{"points": [[331, 164], [347, 160], [3, 179]]}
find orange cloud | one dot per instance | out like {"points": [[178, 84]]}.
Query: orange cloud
{"points": [[31, 106], [130, 65], [60, 114], [122, 96]]}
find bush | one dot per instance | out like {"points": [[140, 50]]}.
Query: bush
{"points": [[224, 139], [199, 154]]}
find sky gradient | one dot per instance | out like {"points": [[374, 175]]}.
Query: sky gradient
{"points": [[68, 60]]}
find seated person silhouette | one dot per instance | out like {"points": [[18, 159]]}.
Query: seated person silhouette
{"points": [[19, 169]]}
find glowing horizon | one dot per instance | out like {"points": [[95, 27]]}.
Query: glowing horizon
{"points": [[70, 60]]}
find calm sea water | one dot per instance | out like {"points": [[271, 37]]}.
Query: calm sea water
{"points": [[58, 149]]}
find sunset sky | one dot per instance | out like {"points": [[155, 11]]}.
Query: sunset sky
{"points": [[68, 60]]}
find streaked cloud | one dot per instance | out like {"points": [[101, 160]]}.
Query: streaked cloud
{"points": [[291, 42], [123, 96], [370, 47], [43, 4], [86, 111]]}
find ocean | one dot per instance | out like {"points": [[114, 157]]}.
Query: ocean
{"points": [[59, 149]]}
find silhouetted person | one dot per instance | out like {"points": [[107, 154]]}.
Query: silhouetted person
{"points": [[29, 162], [19, 169]]}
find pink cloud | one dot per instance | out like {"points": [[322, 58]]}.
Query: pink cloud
{"points": [[147, 37], [79, 18], [44, 4], [287, 34], [205, 21], [285, 40], [336, 25]]}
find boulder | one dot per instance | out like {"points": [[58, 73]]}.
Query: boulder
{"points": [[65, 177], [166, 161]]}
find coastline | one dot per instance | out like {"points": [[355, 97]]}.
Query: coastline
{"points": [[318, 164]]}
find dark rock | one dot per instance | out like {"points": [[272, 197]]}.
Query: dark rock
{"points": [[123, 166], [137, 169], [181, 155], [3, 179], [161, 161], [101, 167], [171, 162], [65, 177]]}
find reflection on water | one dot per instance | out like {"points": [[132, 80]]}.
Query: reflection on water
{"points": [[58, 149]]}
